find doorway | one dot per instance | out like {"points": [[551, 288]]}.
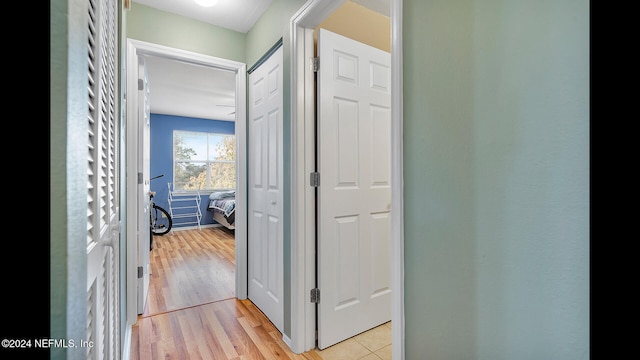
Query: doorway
{"points": [[303, 273], [135, 49], [354, 197]]}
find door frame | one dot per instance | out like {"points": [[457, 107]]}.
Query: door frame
{"points": [[135, 48], [303, 266]]}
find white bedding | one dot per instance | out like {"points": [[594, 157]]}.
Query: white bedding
{"points": [[223, 206]]}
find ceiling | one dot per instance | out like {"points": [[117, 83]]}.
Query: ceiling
{"points": [[182, 89], [238, 15]]}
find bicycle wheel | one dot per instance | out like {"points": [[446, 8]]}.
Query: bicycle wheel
{"points": [[160, 221]]}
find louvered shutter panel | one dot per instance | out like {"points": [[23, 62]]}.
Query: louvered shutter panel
{"points": [[111, 267], [102, 186], [93, 75]]}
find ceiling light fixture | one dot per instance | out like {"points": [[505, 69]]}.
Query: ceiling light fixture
{"points": [[206, 3]]}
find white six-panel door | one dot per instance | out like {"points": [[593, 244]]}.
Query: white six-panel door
{"points": [[265, 227], [354, 196]]}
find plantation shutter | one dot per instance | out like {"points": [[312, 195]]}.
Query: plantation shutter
{"points": [[102, 186]]}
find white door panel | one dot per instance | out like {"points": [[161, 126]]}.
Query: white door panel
{"points": [[144, 232], [265, 237], [354, 197]]}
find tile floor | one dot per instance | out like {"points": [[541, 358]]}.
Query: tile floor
{"points": [[374, 344]]}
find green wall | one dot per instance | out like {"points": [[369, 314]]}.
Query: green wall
{"points": [[273, 25], [438, 165], [496, 159], [159, 27]]}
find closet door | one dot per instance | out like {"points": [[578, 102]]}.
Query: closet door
{"points": [[103, 224], [265, 236]]}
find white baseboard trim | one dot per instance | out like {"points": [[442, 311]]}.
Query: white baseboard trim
{"points": [[180, 228]]}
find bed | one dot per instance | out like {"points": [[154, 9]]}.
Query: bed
{"points": [[222, 204]]}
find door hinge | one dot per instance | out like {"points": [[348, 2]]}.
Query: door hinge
{"points": [[140, 272], [315, 295], [315, 64], [140, 178], [140, 84], [314, 179]]}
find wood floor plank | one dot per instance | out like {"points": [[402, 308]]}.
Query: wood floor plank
{"points": [[221, 335], [231, 325]]}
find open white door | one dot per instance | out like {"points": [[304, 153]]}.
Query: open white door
{"points": [[354, 196], [265, 228], [144, 232]]}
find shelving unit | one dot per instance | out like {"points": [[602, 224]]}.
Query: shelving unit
{"points": [[184, 207]]}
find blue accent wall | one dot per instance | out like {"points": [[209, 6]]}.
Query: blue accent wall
{"points": [[161, 159]]}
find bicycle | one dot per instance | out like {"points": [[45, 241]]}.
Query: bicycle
{"points": [[160, 219]]}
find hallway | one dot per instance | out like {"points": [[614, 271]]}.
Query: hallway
{"points": [[187, 319]]}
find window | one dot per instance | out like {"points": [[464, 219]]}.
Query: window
{"points": [[204, 161]]}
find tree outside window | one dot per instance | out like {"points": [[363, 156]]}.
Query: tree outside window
{"points": [[203, 161]]}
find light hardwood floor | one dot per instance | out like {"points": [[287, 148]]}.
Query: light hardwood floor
{"points": [[192, 312], [189, 268]]}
